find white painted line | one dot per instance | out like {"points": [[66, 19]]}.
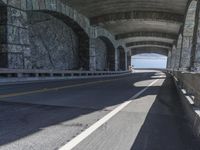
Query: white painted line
{"points": [[79, 138]]}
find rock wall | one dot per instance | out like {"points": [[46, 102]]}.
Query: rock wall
{"points": [[53, 44], [101, 55], [14, 50]]}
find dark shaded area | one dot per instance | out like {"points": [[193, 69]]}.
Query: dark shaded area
{"points": [[3, 36], [122, 65], [110, 53], [165, 127]]}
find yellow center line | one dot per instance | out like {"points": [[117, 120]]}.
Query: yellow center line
{"points": [[55, 88]]}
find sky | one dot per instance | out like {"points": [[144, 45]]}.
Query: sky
{"points": [[149, 61]]}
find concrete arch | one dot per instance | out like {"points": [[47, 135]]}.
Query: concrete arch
{"points": [[188, 35], [73, 19], [121, 53], [83, 37], [101, 32], [189, 23], [195, 52], [59, 9], [127, 17]]}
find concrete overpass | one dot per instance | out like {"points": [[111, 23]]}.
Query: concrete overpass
{"points": [[65, 80]]}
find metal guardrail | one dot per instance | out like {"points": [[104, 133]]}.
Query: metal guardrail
{"points": [[55, 73]]}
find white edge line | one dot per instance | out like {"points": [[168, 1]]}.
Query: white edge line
{"points": [[79, 138]]}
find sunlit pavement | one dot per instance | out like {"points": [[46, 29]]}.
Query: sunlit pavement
{"points": [[49, 115]]}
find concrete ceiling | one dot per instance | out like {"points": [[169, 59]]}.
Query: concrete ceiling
{"points": [[126, 19]]}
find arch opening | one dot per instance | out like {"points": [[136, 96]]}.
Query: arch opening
{"points": [[105, 54], [65, 49], [149, 60]]}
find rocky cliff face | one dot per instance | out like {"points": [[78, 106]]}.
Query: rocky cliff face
{"points": [[53, 44]]}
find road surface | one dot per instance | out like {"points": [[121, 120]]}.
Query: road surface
{"points": [[141, 111]]}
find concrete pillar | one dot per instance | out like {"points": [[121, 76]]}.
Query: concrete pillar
{"points": [[15, 50], [169, 59], [126, 60], [188, 35], [195, 53], [92, 50], [178, 53], [186, 53], [173, 57], [116, 59]]}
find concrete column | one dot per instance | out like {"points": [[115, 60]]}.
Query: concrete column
{"points": [[173, 57], [116, 59], [92, 50], [178, 53], [126, 60], [186, 53], [15, 50], [195, 53], [169, 59]]}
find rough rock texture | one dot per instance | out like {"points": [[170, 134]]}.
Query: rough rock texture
{"points": [[186, 51], [50, 49], [101, 55], [14, 51]]}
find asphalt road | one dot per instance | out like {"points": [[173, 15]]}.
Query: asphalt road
{"points": [[50, 115]]}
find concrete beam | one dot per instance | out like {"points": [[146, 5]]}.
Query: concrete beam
{"points": [[138, 15], [146, 34], [141, 50], [132, 44], [150, 45]]}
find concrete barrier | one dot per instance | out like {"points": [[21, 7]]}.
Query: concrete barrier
{"points": [[188, 87]]}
